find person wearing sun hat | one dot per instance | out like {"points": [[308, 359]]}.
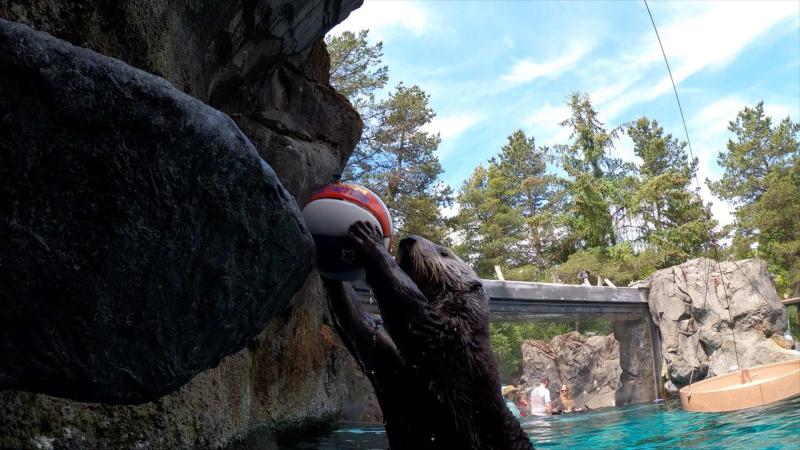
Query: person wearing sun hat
{"points": [[509, 391]]}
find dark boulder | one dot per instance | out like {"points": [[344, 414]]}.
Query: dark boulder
{"points": [[142, 238]]}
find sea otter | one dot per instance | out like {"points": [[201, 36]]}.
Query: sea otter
{"points": [[429, 361]]}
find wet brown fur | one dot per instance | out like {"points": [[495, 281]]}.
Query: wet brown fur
{"points": [[430, 361]]}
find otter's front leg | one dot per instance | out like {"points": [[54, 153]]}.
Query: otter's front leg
{"points": [[364, 337], [400, 301]]}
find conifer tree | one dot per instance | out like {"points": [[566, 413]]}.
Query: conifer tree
{"points": [[598, 185], [506, 213], [404, 171], [668, 214], [395, 156], [761, 178], [357, 72]]}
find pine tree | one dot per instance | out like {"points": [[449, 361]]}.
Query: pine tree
{"points": [[491, 228], [506, 214], [533, 194], [761, 179], [357, 72], [599, 186], [757, 149], [669, 216], [395, 157], [404, 170]]}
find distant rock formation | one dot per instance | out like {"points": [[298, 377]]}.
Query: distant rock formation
{"points": [[589, 366], [693, 304], [263, 63]]}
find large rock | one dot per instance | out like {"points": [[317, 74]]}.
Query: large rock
{"points": [[638, 369], [297, 373], [266, 385], [589, 366], [700, 305], [143, 237]]}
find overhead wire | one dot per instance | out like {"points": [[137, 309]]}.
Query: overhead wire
{"points": [[713, 241]]}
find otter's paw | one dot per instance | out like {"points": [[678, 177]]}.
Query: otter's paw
{"points": [[367, 238]]}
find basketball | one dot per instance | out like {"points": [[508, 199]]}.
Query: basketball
{"points": [[329, 214]]}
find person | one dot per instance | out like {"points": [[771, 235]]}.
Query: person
{"points": [[566, 399], [522, 402], [509, 392], [540, 403]]}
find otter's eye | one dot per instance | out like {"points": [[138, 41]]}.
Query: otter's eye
{"points": [[444, 253]]}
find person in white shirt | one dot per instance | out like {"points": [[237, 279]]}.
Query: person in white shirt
{"points": [[540, 403]]}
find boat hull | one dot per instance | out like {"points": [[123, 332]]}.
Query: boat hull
{"points": [[745, 388]]}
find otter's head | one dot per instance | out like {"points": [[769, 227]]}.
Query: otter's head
{"points": [[434, 268]]}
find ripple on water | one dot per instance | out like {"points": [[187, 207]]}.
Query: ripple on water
{"points": [[650, 426]]}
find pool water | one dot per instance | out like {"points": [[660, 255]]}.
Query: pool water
{"points": [[651, 426]]}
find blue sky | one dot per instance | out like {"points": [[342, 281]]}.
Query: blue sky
{"points": [[493, 67]]}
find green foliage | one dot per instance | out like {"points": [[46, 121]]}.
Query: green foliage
{"points": [[357, 72], [395, 157], [794, 324], [507, 210], [776, 215], [762, 177], [606, 216], [356, 67], [619, 263], [670, 217], [507, 337], [758, 148], [404, 171], [598, 186]]}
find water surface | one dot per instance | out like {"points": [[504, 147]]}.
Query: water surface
{"points": [[651, 426]]}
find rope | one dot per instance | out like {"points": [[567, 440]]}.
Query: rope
{"points": [[697, 345], [708, 230], [753, 285], [674, 89], [728, 304]]}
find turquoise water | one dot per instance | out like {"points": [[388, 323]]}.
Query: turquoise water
{"points": [[650, 426]]}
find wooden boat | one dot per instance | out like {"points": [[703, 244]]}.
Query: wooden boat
{"points": [[743, 388]]}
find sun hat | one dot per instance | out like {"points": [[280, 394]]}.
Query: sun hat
{"points": [[509, 389]]}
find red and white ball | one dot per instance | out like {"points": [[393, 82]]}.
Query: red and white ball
{"points": [[329, 214]]}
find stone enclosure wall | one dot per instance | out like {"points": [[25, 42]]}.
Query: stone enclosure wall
{"points": [[699, 307], [600, 371], [262, 63]]}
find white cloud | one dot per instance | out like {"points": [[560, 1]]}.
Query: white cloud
{"points": [[546, 126], [385, 17], [780, 112], [702, 36], [449, 127], [450, 211], [709, 127], [529, 69]]}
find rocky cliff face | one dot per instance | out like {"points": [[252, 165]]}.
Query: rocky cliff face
{"points": [[261, 62], [144, 237], [700, 305], [600, 371], [589, 366]]}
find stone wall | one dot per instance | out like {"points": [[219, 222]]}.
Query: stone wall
{"points": [[700, 305], [261, 62], [600, 371], [588, 365]]}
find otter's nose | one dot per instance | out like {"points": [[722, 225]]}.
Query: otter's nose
{"points": [[408, 242]]}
